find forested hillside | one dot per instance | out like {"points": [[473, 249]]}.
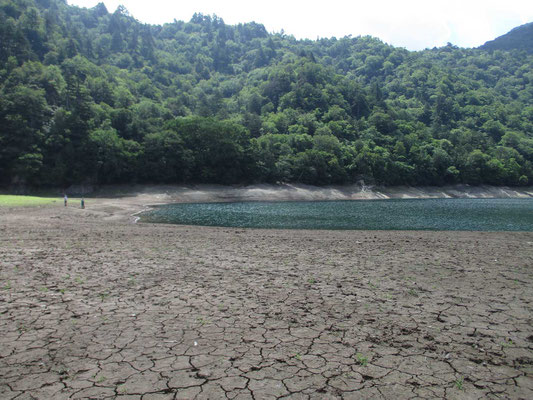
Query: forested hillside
{"points": [[87, 95], [520, 38]]}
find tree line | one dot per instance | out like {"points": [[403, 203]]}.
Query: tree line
{"points": [[92, 96]]}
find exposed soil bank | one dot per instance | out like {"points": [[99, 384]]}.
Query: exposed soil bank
{"points": [[300, 192]]}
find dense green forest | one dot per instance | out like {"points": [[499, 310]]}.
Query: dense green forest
{"points": [[88, 95]]}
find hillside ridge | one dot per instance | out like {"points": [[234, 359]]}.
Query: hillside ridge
{"points": [[519, 38], [89, 96]]}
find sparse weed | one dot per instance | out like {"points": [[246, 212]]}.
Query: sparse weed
{"points": [[361, 359], [459, 383]]}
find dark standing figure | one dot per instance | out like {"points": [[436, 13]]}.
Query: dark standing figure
{"points": [[65, 199], [82, 203]]}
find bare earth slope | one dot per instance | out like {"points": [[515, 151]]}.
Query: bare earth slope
{"points": [[300, 192], [94, 306]]}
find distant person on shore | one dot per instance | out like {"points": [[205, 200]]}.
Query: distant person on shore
{"points": [[65, 200], [82, 203]]}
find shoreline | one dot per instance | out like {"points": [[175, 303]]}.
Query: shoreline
{"points": [[144, 197], [280, 192], [300, 192], [126, 202]]}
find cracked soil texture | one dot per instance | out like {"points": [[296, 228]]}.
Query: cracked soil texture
{"points": [[95, 307]]}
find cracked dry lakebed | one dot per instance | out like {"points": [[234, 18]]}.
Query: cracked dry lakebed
{"points": [[93, 306]]}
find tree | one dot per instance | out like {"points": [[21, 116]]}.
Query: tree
{"points": [[219, 149], [23, 114], [113, 159], [82, 88], [317, 167], [165, 158]]}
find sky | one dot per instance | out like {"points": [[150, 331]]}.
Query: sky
{"points": [[413, 24]]}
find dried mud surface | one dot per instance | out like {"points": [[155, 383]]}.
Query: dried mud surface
{"points": [[93, 306]]}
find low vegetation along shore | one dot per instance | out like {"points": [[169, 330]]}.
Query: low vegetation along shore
{"points": [[22, 201], [94, 306]]}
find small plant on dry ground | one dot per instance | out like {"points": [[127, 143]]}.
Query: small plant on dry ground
{"points": [[459, 383], [361, 360]]}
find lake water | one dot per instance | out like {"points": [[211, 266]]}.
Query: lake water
{"points": [[427, 214]]}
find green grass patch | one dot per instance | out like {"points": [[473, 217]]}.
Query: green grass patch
{"points": [[7, 200]]}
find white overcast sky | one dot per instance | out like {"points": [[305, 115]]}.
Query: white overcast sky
{"points": [[414, 24]]}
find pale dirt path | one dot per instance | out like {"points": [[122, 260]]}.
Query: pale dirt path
{"points": [[94, 306]]}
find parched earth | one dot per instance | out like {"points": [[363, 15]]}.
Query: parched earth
{"points": [[94, 306]]}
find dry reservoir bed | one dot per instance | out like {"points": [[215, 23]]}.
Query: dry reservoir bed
{"points": [[93, 306]]}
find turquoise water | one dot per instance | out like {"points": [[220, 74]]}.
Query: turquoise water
{"points": [[427, 214]]}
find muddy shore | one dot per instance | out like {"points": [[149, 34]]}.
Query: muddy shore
{"points": [[95, 306], [298, 192]]}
